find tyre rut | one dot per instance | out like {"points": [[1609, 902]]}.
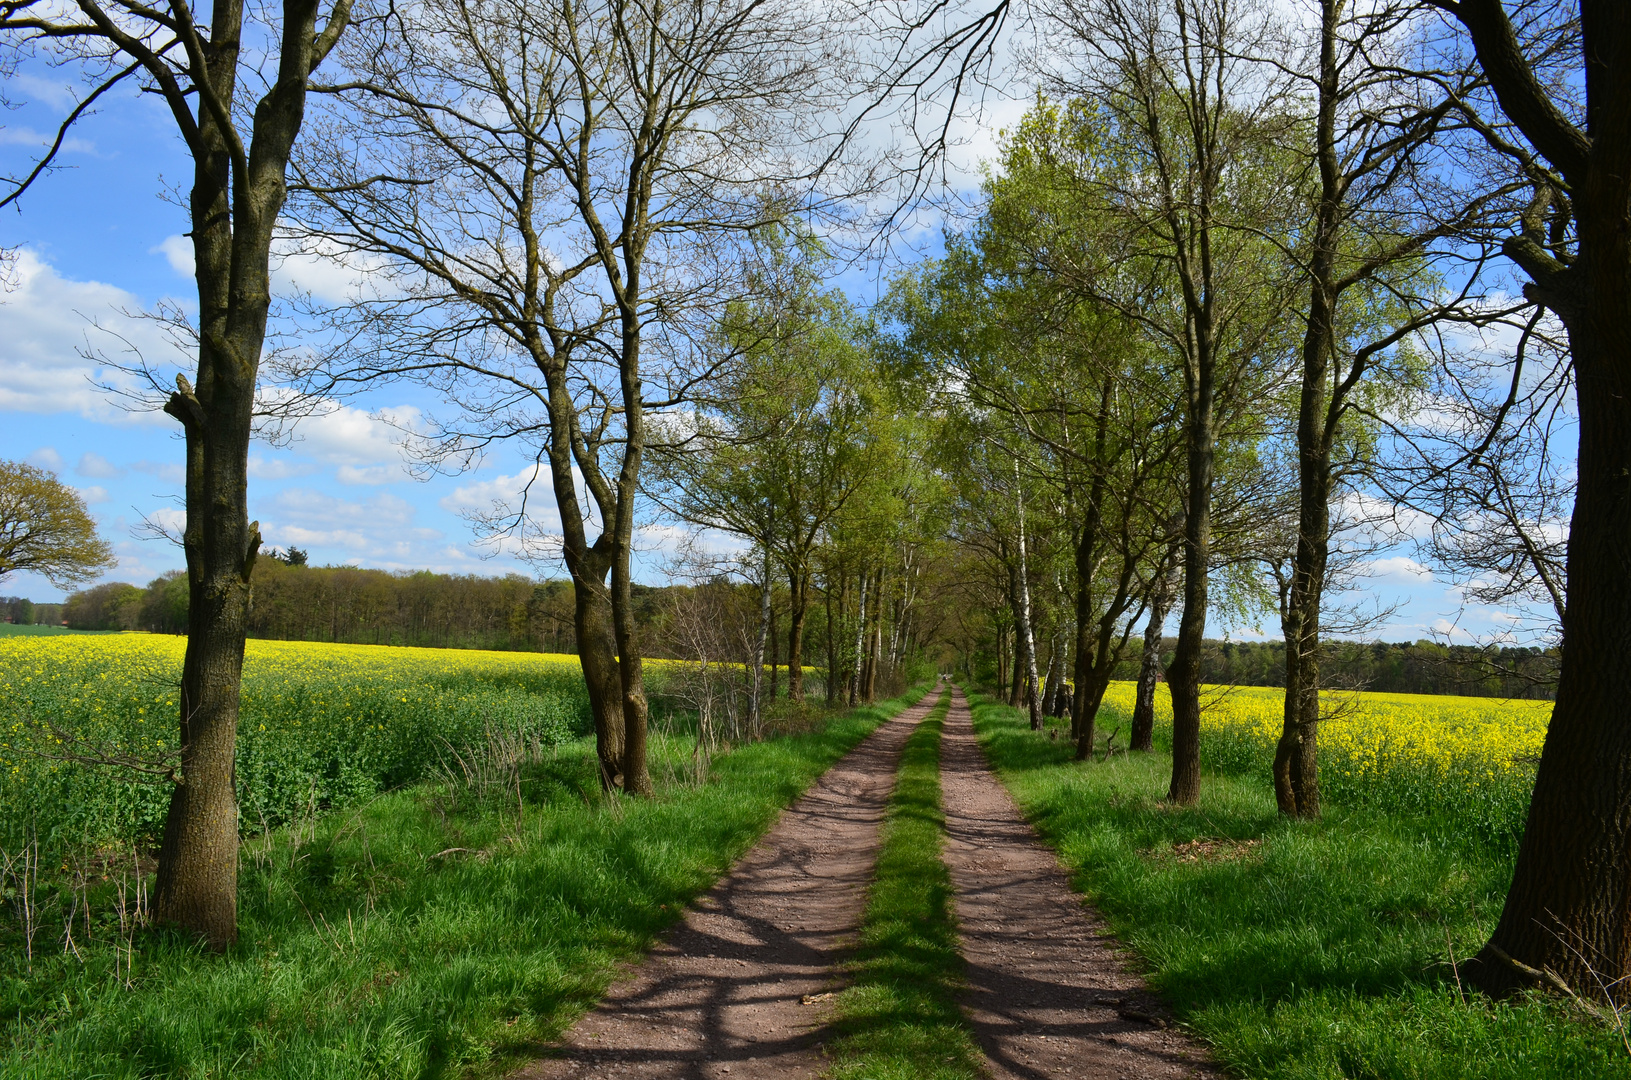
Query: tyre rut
{"points": [[728, 992], [1050, 993]]}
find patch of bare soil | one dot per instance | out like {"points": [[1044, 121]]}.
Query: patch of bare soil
{"points": [[1207, 849], [739, 989], [1050, 993]]}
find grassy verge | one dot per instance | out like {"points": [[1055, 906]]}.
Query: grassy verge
{"points": [[1298, 950], [427, 933], [900, 1017]]}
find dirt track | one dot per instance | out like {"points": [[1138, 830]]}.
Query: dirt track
{"points": [[1049, 991], [721, 996], [727, 994]]}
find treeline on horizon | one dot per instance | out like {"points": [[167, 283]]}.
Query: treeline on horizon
{"points": [[1401, 667], [421, 608], [355, 605]]}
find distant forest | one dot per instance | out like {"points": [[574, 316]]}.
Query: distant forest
{"points": [[296, 602], [1405, 667]]}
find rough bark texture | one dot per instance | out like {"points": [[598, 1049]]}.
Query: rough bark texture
{"points": [[236, 197], [1569, 908]]}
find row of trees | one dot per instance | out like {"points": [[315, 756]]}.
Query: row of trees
{"points": [[1234, 286], [1230, 248]]}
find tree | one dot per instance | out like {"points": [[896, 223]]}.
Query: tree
{"points": [[1567, 916], [1173, 130], [559, 195], [1376, 149], [44, 528], [240, 145]]}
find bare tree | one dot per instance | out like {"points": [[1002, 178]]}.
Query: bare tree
{"points": [[557, 196], [236, 88], [1380, 149]]}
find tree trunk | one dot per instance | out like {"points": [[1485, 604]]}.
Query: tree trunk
{"points": [[234, 209], [832, 646], [1184, 676], [1142, 736], [797, 605], [597, 653], [1027, 628], [860, 637]]}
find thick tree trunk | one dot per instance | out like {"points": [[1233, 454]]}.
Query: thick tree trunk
{"points": [[234, 206], [1569, 908], [597, 653], [197, 886]]}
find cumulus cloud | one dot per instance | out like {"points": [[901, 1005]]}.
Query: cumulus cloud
{"points": [[326, 272], [264, 468], [505, 492], [46, 457], [97, 467], [48, 323], [1398, 568], [93, 494]]}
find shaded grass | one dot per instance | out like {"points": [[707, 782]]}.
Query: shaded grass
{"points": [[899, 1020], [1320, 952], [365, 953]]}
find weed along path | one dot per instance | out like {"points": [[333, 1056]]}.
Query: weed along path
{"points": [[1048, 990], [727, 994]]}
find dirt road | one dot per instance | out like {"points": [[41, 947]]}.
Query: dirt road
{"points": [[722, 996], [1049, 991]]}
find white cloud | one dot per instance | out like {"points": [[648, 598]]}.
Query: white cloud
{"points": [[27, 136], [484, 496], [170, 472], [1398, 568], [97, 467], [46, 457], [341, 435], [372, 475], [93, 494], [178, 252], [327, 273], [262, 468], [47, 324]]}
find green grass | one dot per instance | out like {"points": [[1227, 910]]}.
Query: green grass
{"points": [[899, 1020], [364, 954], [1311, 950]]}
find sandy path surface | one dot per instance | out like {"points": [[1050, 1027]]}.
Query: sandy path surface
{"points": [[1049, 994], [721, 996]]}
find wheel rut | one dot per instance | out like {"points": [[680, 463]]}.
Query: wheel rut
{"points": [[722, 995], [1050, 993]]}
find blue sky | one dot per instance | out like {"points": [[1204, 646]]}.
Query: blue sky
{"points": [[100, 242]]}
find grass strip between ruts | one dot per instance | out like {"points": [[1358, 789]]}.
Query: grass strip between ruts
{"points": [[899, 1020], [1315, 950], [414, 938]]}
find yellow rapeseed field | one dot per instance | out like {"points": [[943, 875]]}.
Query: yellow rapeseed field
{"points": [[320, 724], [1421, 752]]}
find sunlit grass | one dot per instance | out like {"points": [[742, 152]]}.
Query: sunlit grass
{"points": [[1299, 950], [899, 1020]]}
